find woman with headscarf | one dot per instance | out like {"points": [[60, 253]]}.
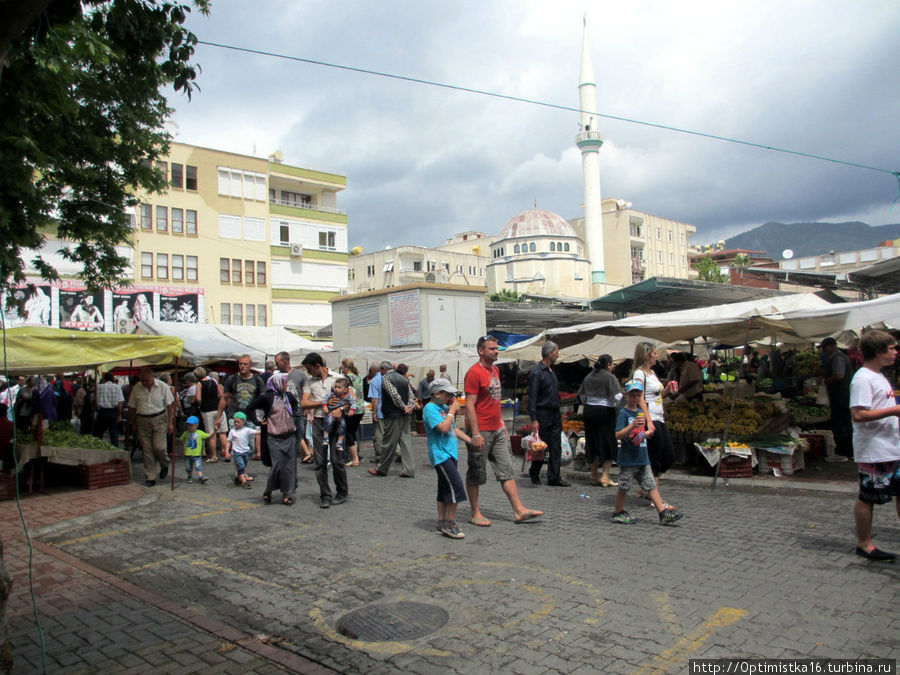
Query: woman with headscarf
{"points": [[659, 442], [599, 393], [282, 447], [348, 369]]}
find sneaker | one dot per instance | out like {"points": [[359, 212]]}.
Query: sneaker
{"points": [[338, 500], [624, 518], [439, 527], [190, 479], [669, 516], [325, 502], [203, 480], [451, 530]]}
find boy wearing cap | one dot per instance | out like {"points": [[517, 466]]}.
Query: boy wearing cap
{"points": [[192, 440], [633, 460], [439, 416], [238, 443]]}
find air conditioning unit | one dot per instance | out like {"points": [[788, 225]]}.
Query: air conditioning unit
{"points": [[296, 250]]}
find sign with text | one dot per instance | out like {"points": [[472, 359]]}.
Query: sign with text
{"points": [[405, 315]]}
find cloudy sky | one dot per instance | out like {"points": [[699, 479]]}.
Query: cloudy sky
{"points": [[422, 163]]}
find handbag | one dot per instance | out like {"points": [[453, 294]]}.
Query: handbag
{"points": [[264, 455], [280, 421]]}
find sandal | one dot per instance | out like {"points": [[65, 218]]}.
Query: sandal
{"points": [[353, 464], [288, 501], [212, 460], [267, 497]]}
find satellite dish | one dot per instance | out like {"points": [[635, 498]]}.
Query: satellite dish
{"points": [[787, 254]]}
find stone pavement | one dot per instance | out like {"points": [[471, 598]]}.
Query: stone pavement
{"points": [[757, 569]]}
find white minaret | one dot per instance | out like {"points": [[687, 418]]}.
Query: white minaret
{"points": [[589, 141]]}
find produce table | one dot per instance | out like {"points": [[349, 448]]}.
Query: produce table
{"points": [[69, 456]]}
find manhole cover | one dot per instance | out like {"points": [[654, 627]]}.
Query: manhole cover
{"points": [[392, 621]]}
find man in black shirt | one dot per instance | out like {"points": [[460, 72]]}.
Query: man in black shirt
{"points": [[239, 390], [543, 408]]}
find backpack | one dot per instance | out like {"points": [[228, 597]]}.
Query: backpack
{"points": [[280, 420]]}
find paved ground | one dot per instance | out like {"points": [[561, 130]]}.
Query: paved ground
{"points": [[191, 579]]}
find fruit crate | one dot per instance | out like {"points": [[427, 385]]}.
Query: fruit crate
{"points": [[786, 464], [816, 443], [105, 474], [733, 466]]}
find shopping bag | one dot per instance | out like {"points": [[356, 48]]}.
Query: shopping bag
{"points": [[565, 456], [535, 448]]}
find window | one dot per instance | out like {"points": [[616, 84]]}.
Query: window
{"points": [[566, 245], [226, 312], [446, 267], [670, 258], [177, 267], [254, 229], [229, 226], [146, 217], [248, 265], [190, 182], [177, 176], [260, 272], [684, 261], [224, 181], [237, 315], [669, 235], [432, 265], [285, 234], [162, 219], [177, 221], [162, 265], [191, 221], [250, 316], [192, 268], [224, 270], [659, 257], [552, 246], [681, 238], [236, 188], [459, 269], [417, 265], [326, 241], [532, 247], [370, 270], [235, 271], [147, 265], [516, 248], [295, 199], [658, 233], [163, 168], [261, 316]]}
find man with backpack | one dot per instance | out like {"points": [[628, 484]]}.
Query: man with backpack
{"points": [[239, 389], [320, 382]]}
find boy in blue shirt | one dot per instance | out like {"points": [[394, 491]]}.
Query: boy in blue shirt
{"points": [[440, 426], [633, 460]]}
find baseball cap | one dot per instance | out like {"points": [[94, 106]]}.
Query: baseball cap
{"points": [[443, 384], [634, 385], [192, 420], [240, 416], [828, 341]]}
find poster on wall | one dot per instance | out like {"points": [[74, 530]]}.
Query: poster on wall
{"points": [[28, 307], [405, 318], [129, 307], [180, 307], [80, 309]]}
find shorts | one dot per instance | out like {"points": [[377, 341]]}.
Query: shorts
{"points": [[495, 450], [879, 482], [240, 461], [642, 475], [193, 463], [209, 420], [450, 488]]}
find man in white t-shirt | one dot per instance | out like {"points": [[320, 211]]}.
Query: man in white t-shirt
{"points": [[876, 438]]}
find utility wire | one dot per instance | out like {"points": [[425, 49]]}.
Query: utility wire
{"points": [[545, 104]]}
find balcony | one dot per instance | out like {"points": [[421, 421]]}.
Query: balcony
{"points": [[589, 139], [308, 206]]}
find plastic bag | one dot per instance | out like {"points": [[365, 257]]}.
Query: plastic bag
{"points": [[822, 397], [566, 455], [535, 448]]}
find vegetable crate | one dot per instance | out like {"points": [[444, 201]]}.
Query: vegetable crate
{"points": [[816, 443], [787, 464], [7, 485], [734, 466], [105, 474]]}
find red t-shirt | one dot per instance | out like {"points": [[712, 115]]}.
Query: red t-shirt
{"points": [[482, 387]]}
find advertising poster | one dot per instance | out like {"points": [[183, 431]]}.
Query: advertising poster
{"points": [[130, 306], [179, 307], [29, 307], [80, 309]]}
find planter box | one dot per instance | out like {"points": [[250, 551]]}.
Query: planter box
{"points": [[113, 472], [733, 466]]}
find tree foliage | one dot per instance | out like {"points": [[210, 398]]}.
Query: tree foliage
{"points": [[81, 117], [708, 270], [505, 295]]}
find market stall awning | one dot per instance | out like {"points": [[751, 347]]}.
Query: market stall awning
{"points": [[272, 339], [203, 343], [833, 319], [38, 349]]}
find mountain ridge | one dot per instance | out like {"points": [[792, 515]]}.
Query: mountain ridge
{"points": [[811, 239]]}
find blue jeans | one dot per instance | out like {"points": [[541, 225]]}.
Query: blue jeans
{"points": [[240, 462], [193, 462]]}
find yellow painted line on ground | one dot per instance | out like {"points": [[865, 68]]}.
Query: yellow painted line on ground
{"points": [[155, 563], [247, 578], [676, 657], [667, 615]]}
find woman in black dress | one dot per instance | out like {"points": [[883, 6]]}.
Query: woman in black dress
{"points": [[282, 447], [599, 393]]}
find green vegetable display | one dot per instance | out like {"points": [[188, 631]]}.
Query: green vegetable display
{"points": [[68, 439]]}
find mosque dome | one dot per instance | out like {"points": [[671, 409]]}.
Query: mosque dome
{"points": [[536, 222]]}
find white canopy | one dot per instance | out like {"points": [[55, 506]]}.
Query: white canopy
{"points": [[843, 317], [273, 339], [619, 347], [203, 343]]}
